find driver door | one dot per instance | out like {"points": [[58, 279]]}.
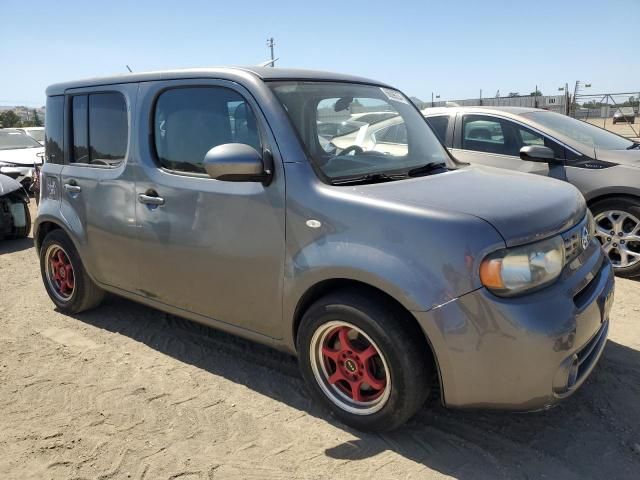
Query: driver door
{"points": [[496, 142]]}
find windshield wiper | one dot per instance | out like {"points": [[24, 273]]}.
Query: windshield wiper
{"points": [[427, 169], [368, 178], [635, 145]]}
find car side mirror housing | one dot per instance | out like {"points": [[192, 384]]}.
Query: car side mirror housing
{"points": [[538, 153], [237, 162]]}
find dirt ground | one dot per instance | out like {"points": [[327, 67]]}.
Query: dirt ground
{"points": [[125, 391], [631, 130]]}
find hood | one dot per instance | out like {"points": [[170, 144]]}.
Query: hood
{"points": [[22, 156], [522, 207], [8, 185], [621, 157]]}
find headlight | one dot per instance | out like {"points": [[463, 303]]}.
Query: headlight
{"points": [[515, 270]]}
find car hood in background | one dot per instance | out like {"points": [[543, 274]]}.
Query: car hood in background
{"points": [[522, 207], [622, 157], [22, 156]]}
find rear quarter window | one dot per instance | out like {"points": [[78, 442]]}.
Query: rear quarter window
{"points": [[54, 130]]}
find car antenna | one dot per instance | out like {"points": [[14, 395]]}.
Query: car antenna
{"points": [[130, 71]]}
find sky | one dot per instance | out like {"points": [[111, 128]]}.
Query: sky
{"points": [[452, 48]]}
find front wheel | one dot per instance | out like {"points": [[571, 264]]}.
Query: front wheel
{"points": [[365, 359], [618, 229]]}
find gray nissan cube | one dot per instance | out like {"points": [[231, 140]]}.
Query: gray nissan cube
{"points": [[211, 194]]}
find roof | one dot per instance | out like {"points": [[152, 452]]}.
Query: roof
{"points": [[490, 109], [263, 73]]}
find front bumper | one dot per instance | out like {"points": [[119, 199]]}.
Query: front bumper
{"points": [[528, 352], [21, 173]]}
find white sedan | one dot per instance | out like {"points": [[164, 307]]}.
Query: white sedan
{"points": [[19, 154]]}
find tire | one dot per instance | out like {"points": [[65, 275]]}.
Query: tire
{"points": [[402, 367], [23, 232], [623, 245], [72, 291]]}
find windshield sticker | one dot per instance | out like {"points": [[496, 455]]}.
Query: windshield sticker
{"points": [[394, 95]]}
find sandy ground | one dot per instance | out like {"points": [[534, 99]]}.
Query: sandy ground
{"points": [[631, 130], [128, 392]]}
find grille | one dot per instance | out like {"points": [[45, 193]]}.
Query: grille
{"points": [[573, 241]]}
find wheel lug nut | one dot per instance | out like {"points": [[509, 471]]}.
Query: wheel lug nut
{"points": [[619, 234], [612, 232], [608, 239], [615, 244], [621, 242]]}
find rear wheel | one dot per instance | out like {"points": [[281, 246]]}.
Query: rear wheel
{"points": [[618, 229], [64, 276], [364, 360]]}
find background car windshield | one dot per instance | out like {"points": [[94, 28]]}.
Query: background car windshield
{"points": [[11, 140], [582, 132], [365, 147]]}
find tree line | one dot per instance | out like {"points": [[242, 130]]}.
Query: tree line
{"points": [[10, 119]]}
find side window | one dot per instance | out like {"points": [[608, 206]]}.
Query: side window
{"points": [[439, 125], [54, 130], [392, 134], [484, 134], [529, 137], [108, 128], [188, 122], [100, 128], [387, 134], [80, 125]]}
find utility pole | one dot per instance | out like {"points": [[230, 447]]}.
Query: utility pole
{"points": [[271, 43]]}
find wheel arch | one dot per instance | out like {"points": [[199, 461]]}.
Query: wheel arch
{"points": [[610, 195], [327, 286], [43, 229]]}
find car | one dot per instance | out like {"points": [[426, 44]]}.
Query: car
{"points": [[604, 166], [20, 154], [206, 193], [625, 115], [37, 133], [15, 218]]}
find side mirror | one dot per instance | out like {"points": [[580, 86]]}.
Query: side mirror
{"points": [[236, 162], [538, 153]]}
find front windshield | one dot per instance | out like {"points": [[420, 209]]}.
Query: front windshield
{"points": [[353, 130], [582, 132], [12, 140], [36, 134]]}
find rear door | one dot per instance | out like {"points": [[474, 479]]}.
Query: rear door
{"points": [[211, 247], [97, 194], [496, 142]]}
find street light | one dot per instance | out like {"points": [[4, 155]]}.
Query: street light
{"points": [[432, 103]]}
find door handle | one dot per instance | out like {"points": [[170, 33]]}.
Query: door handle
{"points": [[71, 188], [150, 199]]}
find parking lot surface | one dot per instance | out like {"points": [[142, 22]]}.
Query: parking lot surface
{"points": [[125, 391], [630, 130]]}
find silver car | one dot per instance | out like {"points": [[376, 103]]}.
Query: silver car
{"points": [[209, 194], [604, 166]]}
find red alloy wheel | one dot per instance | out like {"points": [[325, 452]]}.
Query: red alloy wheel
{"points": [[60, 272], [350, 368]]}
